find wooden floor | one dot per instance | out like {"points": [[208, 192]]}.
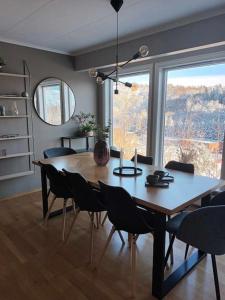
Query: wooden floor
{"points": [[35, 265]]}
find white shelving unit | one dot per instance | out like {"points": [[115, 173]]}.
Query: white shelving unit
{"points": [[27, 131], [14, 117], [12, 97], [14, 75], [16, 155], [16, 138]]}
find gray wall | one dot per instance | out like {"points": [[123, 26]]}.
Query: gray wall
{"points": [[197, 34], [42, 64]]}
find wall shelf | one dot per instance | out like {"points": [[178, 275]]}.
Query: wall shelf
{"points": [[16, 155], [16, 138], [13, 75], [13, 97], [23, 135], [16, 175], [15, 117]]}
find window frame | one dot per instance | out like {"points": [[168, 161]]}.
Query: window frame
{"points": [[161, 70]]}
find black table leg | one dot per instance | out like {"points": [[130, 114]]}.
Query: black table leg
{"points": [[159, 256], [87, 143], [44, 191]]}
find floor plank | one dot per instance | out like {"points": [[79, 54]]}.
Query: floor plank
{"points": [[36, 265]]}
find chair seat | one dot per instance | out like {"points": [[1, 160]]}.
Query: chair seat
{"points": [[174, 223], [61, 192], [145, 226], [97, 202]]}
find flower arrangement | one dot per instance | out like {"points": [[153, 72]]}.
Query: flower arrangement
{"points": [[87, 123], [102, 133]]}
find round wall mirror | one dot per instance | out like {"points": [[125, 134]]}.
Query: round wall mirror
{"points": [[54, 101]]}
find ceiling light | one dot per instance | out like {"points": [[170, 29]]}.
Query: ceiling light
{"points": [[142, 52]]}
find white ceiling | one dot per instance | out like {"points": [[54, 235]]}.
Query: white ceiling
{"points": [[75, 26]]}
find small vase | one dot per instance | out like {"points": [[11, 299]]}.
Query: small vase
{"points": [[101, 153]]}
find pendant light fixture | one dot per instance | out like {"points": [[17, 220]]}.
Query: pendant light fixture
{"points": [[142, 52]]}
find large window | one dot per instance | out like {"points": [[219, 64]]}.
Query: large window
{"points": [[195, 117], [130, 115]]}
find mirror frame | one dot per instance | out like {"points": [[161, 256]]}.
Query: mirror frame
{"points": [[35, 89]]}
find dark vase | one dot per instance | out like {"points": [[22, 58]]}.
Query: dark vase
{"points": [[101, 153]]}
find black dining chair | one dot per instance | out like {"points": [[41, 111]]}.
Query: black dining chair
{"points": [[174, 223], [114, 153], [204, 229], [148, 160], [179, 166], [59, 189], [187, 168], [124, 214], [58, 151], [88, 199]]}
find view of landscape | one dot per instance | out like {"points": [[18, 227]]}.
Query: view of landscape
{"points": [[194, 117], [130, 113]]}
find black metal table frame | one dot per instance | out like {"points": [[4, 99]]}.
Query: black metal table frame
{"points": [[75, 138], [160, 286]]}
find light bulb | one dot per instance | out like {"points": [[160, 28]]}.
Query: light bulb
{"points": [[143, 51], [93, 73], [99, 80]]}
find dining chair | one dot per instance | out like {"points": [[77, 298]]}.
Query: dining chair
{"points": [[59, 189], [204, 229], [179, 166], [87, 199], [114, 153], [174, 223], [187, 168], [124, 214], [58, 151], [148, 160]]}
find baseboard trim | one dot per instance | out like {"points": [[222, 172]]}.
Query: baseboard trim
{"points": [[20, 194]]}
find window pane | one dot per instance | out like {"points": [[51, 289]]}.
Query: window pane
{"points": [[130, 113], [52, 107], [195, 117]]}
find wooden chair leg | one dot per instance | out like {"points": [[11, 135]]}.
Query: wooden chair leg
{"points": [[121, 237], [129, 240], [169, 249], [64, 219], [92, 239], [216, 280], [106, 246], [74, 206], [133, 263], [49, 210], [71, 226], [104, 219]]}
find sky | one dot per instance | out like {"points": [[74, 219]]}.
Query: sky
{"points": [[205, 75]]}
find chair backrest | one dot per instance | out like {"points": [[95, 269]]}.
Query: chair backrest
{"points": [[85, 196], [148, 160], [58, 151], [204, 229], [178, 166], [114, 153], [57, 181], [122, 210], [219, 199]]}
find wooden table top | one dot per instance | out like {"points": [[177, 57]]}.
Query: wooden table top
{"points": [[184, 191]]}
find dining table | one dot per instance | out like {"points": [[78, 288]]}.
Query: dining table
{"points": [[184, 191]]}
